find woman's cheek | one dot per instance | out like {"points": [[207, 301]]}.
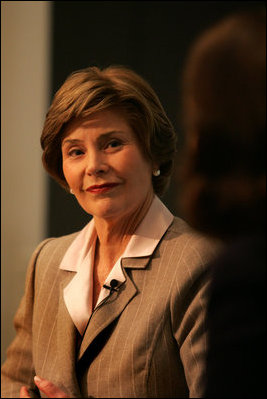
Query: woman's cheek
{"points": [[71, 172]]}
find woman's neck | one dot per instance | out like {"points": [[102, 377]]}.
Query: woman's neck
{"points": [[114, 234]]}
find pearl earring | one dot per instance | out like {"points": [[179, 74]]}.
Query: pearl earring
{"points": [[71, 191], [156, 172]]}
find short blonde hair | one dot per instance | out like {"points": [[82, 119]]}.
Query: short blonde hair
{"points": [[91, 89]]}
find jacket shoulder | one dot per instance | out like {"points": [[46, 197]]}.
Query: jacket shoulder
{"points": [[191, 242], [50, 252], [60, 244]]}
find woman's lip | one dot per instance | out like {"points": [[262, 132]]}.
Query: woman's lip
{"points": [[101, 187]]}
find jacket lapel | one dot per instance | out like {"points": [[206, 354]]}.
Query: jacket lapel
{"points": [[66, 343], [111, 309]]}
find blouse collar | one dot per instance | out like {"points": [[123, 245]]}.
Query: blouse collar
{"points": [[142, 242]]}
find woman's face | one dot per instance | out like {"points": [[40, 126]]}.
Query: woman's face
{"points": [[104, 166]]}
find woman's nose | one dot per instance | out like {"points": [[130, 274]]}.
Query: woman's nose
{"points": [[96, 164]]}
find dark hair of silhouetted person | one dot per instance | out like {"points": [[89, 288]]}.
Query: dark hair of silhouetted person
{"points": [[224, 109]]}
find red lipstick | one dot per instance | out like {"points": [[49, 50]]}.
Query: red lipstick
{"points": [[101, 188]]}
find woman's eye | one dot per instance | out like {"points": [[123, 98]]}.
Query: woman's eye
{"points": [[114, 144], [75, 152]]}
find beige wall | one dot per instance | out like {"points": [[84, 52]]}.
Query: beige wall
{"points": [[25, 87]]}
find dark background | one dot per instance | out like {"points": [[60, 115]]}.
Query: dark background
{"points": [[152, 38]]}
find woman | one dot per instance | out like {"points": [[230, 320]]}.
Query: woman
{"points": [[117, 309], [225, 194]]}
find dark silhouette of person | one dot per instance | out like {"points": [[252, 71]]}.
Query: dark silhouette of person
{"points": [[224, 191]]}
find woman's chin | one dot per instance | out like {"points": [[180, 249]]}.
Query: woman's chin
{"points": [[105, 210]]}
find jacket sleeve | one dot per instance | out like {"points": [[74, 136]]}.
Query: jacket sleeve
{"points": [[18, 369], [188, 309]]}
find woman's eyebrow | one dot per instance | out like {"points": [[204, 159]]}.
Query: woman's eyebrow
{"points": [[71, 141], [108, 134]]}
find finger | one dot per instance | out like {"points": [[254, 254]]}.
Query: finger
{"points": [[24, 392], [48, 388]]}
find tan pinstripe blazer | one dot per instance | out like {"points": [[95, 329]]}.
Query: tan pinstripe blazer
{"points": [[147, 340]]}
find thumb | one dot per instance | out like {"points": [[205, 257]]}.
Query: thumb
{"points": [[48, 388], [24, 392]]}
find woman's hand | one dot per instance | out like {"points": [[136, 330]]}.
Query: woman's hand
{"points": [[47, 387], [24, 392]]}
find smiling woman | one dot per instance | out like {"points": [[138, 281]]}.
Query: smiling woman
{"points": [[117, 309], [104, 166]]}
